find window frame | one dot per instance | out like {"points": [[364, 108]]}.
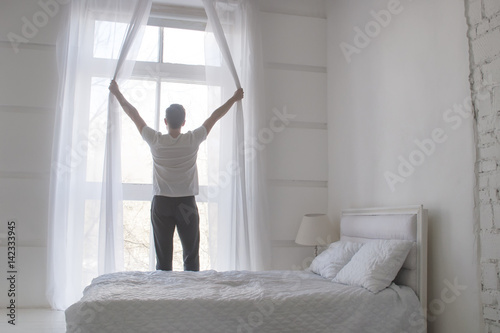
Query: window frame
{"points": [[162, 16]]}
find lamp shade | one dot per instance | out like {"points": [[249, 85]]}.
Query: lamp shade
{"points": [[315, 229]]}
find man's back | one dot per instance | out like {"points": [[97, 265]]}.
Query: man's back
{"points": [[175, 173]]}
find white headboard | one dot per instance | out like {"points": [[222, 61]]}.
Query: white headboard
{"points": [[409, 223]]}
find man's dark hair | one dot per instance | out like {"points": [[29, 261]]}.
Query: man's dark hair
{"points": [[175, 115]]}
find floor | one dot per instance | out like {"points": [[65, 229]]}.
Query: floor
{"points": [[34, 321]]}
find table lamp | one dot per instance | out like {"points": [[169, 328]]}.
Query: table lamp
{"points": [[314, 230]]}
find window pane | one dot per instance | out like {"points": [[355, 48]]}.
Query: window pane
{"points": [[136, 235], [149, 50], [177, 261], [183, 46], [108, 39], [137, 163], [192, 96], [204, 244]]}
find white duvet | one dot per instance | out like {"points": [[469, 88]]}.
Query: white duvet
{"points": [[209, 301]]}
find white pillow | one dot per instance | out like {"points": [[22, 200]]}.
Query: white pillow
{"points": [[375, 265], [329, 262]]}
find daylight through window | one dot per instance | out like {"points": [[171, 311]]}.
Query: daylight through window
{"points": [[170, 69]]}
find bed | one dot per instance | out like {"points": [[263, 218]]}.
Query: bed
{"points": [[277, 301]]}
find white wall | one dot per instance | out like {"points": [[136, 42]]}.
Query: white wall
{"points": [[397, 89], [28, 88], [294, 35]]}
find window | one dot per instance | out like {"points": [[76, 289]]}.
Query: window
{"points": [[170, 69]]}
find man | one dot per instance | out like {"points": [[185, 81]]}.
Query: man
{"points": [[175, 178]]}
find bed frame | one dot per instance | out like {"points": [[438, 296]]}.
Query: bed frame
{"points": [[409, 223]]}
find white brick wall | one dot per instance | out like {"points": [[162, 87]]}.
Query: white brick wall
{"points": [[490, 276], [484, 35], [491, 7], [491, 70], [486, 46], [494, 329]]}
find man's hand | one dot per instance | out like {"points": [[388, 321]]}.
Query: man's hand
{"points": [[113, 88], [238, 95]]}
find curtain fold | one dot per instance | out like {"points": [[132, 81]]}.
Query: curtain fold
{"points": [[111, 221], [85, 213], [239, 232]]}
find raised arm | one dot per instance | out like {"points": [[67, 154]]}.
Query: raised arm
{"points": [[129, 109], [222, 110]]}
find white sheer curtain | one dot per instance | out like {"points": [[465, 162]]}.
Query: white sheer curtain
{"points": [[85, 216], [238, 215]]}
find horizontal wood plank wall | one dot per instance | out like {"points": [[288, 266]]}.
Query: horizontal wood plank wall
{"points": [[28, 93], [294, 46]]}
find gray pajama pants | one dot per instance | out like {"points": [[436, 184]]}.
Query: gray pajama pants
{"points": [[167, 213]]}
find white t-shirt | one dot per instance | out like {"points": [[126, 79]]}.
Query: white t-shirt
{"points": [[174, 172]]}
